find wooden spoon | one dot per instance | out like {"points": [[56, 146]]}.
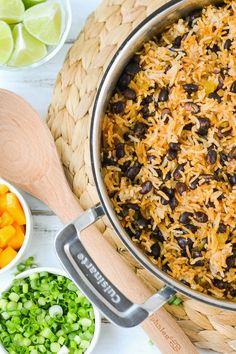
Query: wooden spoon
{"points": [[28, 158]]}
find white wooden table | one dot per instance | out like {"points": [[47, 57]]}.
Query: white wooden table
{"points": [[36, 87]]}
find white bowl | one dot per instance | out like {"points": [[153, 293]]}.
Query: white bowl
{"points": [[58, 271], [52, 49], [28, 229]]}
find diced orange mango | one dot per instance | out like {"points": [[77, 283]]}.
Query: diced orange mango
{"points": [[17, 240], [15, 209], [6, 219], [3, 203], [6, 233], [7, 256], [3, 189], [1, 250]]}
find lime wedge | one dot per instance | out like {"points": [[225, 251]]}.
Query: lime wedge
{"points": [[6, 41], [29, 3], [28, 49], [11, 11], [44, 21]]}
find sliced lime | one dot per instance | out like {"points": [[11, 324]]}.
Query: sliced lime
{"points": [[29, 3], [44, 21], [11, 11], [28, 49], [6, 41]]}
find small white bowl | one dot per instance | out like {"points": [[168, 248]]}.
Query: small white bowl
{"points": [[52, 49], [28, 228], [58, 271]]}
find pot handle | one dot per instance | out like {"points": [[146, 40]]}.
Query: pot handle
{"points": [[100, 291]]}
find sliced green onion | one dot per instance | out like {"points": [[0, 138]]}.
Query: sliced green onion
{"points": [[45, 313]]}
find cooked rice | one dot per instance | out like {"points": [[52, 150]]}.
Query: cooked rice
{"points": [[150, 110]]}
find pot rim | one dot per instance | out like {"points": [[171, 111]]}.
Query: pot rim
{"points": [[177, 7]]}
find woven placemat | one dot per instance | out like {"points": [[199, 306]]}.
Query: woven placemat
{"points": [[68, 119]]}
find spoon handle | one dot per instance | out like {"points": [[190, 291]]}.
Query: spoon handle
{"points": [[161, 328]]}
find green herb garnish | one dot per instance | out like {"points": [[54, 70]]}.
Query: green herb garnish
{"points": [[28, 264], [175, 300]]}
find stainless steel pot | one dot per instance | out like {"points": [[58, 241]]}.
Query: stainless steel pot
{"points": [[69, 248]]}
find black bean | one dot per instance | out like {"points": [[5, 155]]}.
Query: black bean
{"points": [[171, 154], [215, 96], [184, 242], [192, 107], [170, 192], [232, 153], [133, 171], [167, 176], [185, 282], [125, 166], [231, 261], [120, 150], [165, 268], [145, 112], [155, 250], [164, 201], [126, 136], [233, 87], [194, 184], [142, 222], [132, 68], [232, 179], [221, 196], [233, 292], [146, 100], [173, 203], [108, 161], [193, 16], [159, 172], [146, 187], [190, 88], [196, 254], [185, 217], [132, 206], [228, 44], [177, 172], [163, 95], [211, 157], [215, 48], [136, 58], [140, 129], [177, 42], [222, 228], [118, 107], [220, 284], [223, 158], [137, 234], [174, 146], [124, 81], [200, 217], [130, 94], [207, 177], [210, 204], [157, 235], [129, 232], [192, 228], [181, 187], [188, 126], [204, 125]]}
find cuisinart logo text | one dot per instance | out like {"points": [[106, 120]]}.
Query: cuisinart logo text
{"points": [[106, 288]]}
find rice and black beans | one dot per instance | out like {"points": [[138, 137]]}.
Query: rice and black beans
{"points": [[169, 150]]}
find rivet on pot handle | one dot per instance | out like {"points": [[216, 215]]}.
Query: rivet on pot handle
{"points": [[101, 292]]}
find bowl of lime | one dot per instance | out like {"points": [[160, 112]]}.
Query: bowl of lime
{"points": [[32, 31]]}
